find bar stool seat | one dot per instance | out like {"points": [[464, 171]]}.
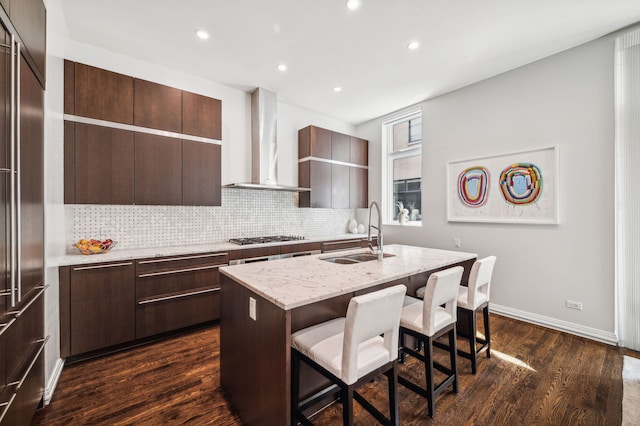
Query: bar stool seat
{"points": [[350, 352]]}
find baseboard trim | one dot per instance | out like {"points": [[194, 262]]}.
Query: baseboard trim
{"points": [[567, 327], [53, 381]]}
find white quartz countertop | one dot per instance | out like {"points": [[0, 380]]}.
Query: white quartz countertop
{"points": [[299, 281], [118, 254]]}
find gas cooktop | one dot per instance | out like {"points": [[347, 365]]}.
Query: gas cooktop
{"points": [[261, 240]]}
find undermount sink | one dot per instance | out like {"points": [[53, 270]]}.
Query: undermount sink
{"points": [[354, 258]]}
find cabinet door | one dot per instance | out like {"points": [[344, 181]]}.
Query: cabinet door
{"points": [[340, 147], [339, 186], [102, 306], [158, 170], [157, 106], [201, 116], [200, 174], [314, 142], [103, 165], [29, 17], [317, 176], [31, 171], [99, 94], [359, 151], [358, 187], [5, 174], [5, 96]]}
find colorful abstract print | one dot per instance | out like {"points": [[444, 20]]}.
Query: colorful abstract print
{"points": [[521, 183], [473, 186]]}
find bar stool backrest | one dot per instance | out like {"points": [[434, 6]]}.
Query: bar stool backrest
{"points": [[480, 281], [442, 289], [368, 316]]}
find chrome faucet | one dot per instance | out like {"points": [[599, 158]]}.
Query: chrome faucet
{"points": [[379, 249]]}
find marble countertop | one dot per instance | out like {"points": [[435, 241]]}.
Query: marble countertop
{"points": [[295, 282], [118, 254]]}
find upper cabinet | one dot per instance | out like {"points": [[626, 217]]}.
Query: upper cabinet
{"points": [[29, 18], [157, 106], [201, 116], [334, 166], [127, 157]]}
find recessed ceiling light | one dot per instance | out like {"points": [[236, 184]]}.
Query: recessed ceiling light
{"points": [[353, 4], [337, 89], [202, 34], [413, 45], [282, 67]]}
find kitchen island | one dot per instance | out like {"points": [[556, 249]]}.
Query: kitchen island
{"points": [[264, 303]]}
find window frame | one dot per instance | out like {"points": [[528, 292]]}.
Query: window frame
{"points": [[389, 156]]}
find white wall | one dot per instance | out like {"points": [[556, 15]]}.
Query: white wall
{"points": [[566, 99]]}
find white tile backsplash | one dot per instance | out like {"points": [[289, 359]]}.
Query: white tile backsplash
{"points": [[244, 213]]}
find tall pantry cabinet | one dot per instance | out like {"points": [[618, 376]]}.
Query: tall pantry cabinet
{"points": [[22, 340]]}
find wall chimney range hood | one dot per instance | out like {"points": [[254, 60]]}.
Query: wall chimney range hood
{"points": [[264, 144]]}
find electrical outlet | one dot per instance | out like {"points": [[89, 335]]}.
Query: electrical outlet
{"points": [[572, 304], [456, 242], [252, 308]]}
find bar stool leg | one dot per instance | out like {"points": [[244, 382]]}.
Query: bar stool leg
{"points": [[392, 379], [473, 325], [487, 334], [428, 364], [295, 388], [347, 405], [454, 360]]}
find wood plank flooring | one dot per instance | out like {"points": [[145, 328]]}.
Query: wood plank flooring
{"points": [[535, 376]]}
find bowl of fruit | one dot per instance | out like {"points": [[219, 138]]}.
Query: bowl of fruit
{"points": [[95, 246]]}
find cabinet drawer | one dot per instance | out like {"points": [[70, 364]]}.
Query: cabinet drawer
{"points": [[300, 248], [24, 396], [178, 264], [173, 311], [341, 245], [250, 253], [179, 280]]}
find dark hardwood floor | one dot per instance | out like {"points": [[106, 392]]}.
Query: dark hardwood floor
{"points": [[535, 376]]}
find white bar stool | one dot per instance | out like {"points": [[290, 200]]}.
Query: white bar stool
{"points": [[472, 299], [352, 351], [426, 320]]}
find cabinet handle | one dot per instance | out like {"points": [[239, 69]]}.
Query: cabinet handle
{"points": [[171, 259], [5, 293], [17, 314], [177, 296], [177, 271], [18, 190], [6, 406], [6, 326], [19, 383], [111, 265], [4, 170], [12, 178]]}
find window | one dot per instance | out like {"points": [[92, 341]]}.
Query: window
{"points": [[402, 186]]}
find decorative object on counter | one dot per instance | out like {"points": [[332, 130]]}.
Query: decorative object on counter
{"points": [[95, 246], [520, 187], [361, 228], [353, 226]]}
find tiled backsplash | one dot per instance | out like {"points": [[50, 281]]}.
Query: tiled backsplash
{"points": [[244, 213]]}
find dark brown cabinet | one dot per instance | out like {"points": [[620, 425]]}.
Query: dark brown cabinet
{"points": [[157, 106], [100, 162], [96, 93], [337, 245], [201, 177], [97, 306], [334, 166], [107, 165], [177, 292], [201, 116], [158, 170]]}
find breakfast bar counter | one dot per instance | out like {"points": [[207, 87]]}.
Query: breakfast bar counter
{"points": [[264, 303]]}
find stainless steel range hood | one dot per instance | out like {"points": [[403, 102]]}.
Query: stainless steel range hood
{"points": [[264, 144]]}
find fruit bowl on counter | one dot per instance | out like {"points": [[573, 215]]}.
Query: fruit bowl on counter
{"points": [[95, 246]]}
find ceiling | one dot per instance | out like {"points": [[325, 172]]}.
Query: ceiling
{"points": [[325, 45]]}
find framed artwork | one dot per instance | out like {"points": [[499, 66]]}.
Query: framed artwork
{"points": [[520, 187]]}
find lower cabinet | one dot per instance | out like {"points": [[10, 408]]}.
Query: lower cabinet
{"points": [[108, 304], [101, 306], [177, 292], [337, 245]]}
